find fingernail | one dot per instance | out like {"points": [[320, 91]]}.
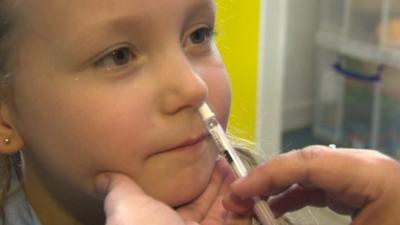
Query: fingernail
{"points": [[239, 181], [101, 183], [236, 186], [230, 178]]}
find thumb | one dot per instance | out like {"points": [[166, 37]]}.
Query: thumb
{"points": [[108, 182], [120, 192], [127, 204]]}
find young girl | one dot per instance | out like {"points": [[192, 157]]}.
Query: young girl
{"points": [[97, 88], [104, 86]]}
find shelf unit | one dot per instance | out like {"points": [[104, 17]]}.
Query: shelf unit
{"points": [[368, 30], [359, 66]]}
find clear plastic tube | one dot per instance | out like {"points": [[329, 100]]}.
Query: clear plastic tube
{"points": [[261, 208]]}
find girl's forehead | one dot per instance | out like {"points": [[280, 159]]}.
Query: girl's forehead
{"points": [[79, 29], [73, 15], [59, 8]]}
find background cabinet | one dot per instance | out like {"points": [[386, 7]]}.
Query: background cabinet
{"points": [[358, 89]]}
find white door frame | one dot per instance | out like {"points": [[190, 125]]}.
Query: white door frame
{"points": [[271, 75]]}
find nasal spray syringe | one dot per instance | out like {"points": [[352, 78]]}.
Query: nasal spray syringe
{"points": [[261, 208]]}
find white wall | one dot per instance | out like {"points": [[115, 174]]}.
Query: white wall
{"points": [[271, 71], [299, 84], [286, 69]]}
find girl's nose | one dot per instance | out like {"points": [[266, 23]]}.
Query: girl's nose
{"points": [[183, 87]]}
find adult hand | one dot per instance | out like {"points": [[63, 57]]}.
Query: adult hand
{"points": [[207, 209], [127, 204], [361, 183]]}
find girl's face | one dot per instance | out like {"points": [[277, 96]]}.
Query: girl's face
{"points": [[115, 86]]}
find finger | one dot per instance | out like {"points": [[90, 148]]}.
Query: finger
{"points": [[198, 209], [237, 205], [234, 219], [219, 215], [127, 204], [117, 187], [344, 172], [341, 207], [298, 197], [107, 182]]}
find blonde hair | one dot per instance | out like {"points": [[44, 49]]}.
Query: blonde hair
{"points": [[5, 176], [7, 28]]}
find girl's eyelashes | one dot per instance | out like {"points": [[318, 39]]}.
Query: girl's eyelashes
{"points": [[118, 57], [202, 35]]}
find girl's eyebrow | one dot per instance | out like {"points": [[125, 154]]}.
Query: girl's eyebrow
{"points": [[97, 27], [134, 20], [202, 8]]}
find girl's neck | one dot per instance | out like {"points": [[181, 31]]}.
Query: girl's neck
{"points": [[55, 205]]}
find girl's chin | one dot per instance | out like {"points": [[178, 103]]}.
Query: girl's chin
{"points": [[178, 192], [181, 188], [182, 185], [182, 195]]}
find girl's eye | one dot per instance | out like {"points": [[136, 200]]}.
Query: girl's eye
{"points": [[201, 35], [116, 58]]}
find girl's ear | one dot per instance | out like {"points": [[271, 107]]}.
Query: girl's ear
{"points": [[10, 140]]}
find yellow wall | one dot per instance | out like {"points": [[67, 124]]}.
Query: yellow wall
{"points": [[237, 40]]}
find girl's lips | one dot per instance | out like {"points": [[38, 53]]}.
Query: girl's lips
{"points": [[190, 142]]}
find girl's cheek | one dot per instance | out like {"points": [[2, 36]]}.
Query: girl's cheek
{"points": [[219, 97]]}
